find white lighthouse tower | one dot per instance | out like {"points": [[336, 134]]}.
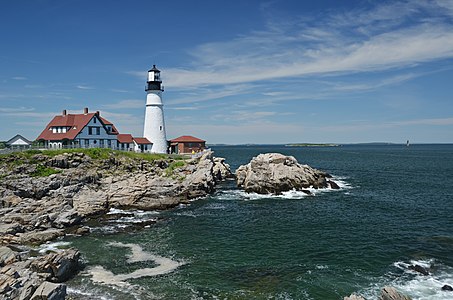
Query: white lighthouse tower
{"points": [[154, 129]]}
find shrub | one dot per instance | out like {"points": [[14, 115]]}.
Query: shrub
{"points": [[174, 165], [43, 171]]}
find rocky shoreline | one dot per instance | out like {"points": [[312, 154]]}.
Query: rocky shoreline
{"points": [[46, 195]]}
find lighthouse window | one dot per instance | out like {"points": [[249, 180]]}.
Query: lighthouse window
{"points": [[160, 127]]}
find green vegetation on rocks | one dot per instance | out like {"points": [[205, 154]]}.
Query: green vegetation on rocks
{"points": [[174, 165], [43, 171]]}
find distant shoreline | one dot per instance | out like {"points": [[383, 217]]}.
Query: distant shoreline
{"points": [[311, 145]]}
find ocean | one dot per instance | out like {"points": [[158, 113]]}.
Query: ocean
{"points": [[394, 210]]}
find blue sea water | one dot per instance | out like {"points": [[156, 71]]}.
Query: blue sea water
{"points": [[394, 209]]}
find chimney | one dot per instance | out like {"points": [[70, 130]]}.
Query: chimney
{"points": [[98, 113], [64, 112], [85, 110]]}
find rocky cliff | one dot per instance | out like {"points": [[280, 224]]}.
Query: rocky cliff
{"points": [[44, 195]]}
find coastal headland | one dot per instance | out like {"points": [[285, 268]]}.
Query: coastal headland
{"points": [[48, 194]]}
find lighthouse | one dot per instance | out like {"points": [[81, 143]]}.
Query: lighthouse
{"points": [[154, 129]]}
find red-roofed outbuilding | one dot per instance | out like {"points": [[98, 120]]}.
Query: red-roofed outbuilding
{"points": [[187, 144]]}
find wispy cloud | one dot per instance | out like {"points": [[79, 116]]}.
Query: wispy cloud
{"points": [[12, 110], [125, 104], [85, 87], [384, 37], [19, 78]]}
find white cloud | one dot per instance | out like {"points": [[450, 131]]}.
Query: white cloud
{"points": [[84, 87], [125, 104], [384, 37], [19, 78], [10, 110]]}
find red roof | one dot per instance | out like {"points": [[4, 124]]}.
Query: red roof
{"points": [[124, 138], [142, 141], [75, 122], [187, 139]]}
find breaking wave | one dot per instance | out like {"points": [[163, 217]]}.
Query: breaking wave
{"points": [[236, 194], [415, 284]]}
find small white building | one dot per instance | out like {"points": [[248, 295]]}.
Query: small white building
{"points": [[127, 142], [18, 142]]}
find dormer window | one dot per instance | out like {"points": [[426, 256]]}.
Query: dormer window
{"points": [[94, 120]]}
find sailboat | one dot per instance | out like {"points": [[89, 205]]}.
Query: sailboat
{"points": [[407, 143]]}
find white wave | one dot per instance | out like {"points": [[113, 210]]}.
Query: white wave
{"points": [[321, 267], [116, 211], [293, 194], [164, 266], [86, 295], [342, 183], [415, 284], [53, 246], [138, 213]]}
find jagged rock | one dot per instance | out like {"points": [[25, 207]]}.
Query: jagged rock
{"points": [[221, 169], [273, 173], [67, 218], [30, 286], [50, 291], [11, 228], [354, 297], [333, 185], [59, 266], [419, 269], [447, 287], [39, 237], [390, 293], [60, 161], [7, 256]]}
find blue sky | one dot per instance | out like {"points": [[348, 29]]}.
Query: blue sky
{"points": [[234, 71]]}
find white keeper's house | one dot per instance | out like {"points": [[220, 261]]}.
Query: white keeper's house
{"points": [[87, 130]]}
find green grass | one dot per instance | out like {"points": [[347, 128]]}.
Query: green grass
{"points": [[43, 171], [174, 165]]}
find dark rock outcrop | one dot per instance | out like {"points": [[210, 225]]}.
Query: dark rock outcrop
{"points": [[447, 287], [274, 173], [419, 269]]}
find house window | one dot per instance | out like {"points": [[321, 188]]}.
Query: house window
{"points": [[90, 130], [94, 120], [98, 130], [87, 142], [101, 143]]}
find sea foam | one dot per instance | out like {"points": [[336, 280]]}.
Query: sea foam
{"points": [[414, 284], [164, 266]]}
